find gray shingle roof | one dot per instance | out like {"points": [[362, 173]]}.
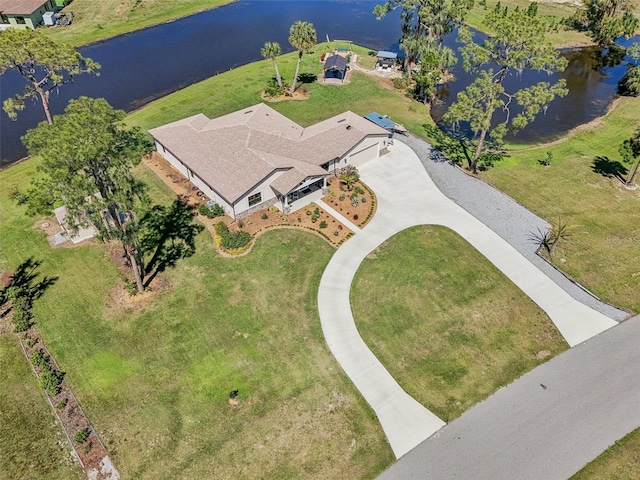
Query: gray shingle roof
{"points": [[235, 152]]}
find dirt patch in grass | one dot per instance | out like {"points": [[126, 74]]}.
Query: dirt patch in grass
{"points": [[299, 94]]}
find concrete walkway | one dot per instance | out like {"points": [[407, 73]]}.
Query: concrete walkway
{"points": [[407, 197], [338, 216]]}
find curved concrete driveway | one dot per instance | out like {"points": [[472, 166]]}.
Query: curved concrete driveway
{"points": [[407, 197]]}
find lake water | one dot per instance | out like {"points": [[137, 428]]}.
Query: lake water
{"points": [[143, 66]]}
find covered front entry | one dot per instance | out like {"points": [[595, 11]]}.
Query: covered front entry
{"points": [[296, 197]]}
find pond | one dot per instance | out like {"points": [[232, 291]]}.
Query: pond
{"points": [[592, 79], [140, 67]]}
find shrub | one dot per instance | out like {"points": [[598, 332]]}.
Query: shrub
{"points": [[22, 315], [50, 380], [336, 233], [40, 359], [30, 342], [86, 448], [231, 240], [211, 212], [323, 224], [342, 197], [545, 162], [81, 435], [273, 89], [264, 216], [17, 196], [358, 190], [363, 199], [400, 82], [130, 286], [62, 403], [273, 209]]}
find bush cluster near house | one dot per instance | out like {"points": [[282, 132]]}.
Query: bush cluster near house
{"points": [[211, 212], [230, 240]]}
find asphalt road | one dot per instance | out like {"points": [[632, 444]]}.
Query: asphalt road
{"points": [[546, 425]]}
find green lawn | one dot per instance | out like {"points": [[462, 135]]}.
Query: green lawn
{"points": [[621, 461], [29, 431], [602, 253], [551, 12], [97, 20], [445, 322], [241, 88], [155, 380]]}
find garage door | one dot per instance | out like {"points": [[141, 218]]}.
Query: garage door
{"points": [[361, 156]]}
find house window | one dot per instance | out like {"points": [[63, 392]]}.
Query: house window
{"points": [[4, 18], [255, 199], [20, 20]]}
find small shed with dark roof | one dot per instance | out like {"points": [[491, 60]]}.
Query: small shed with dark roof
{"points": [[335, 67]]}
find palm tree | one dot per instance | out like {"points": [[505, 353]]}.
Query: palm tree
{"points": [[302, 36], [631, 81], [630, 151], [272, 50]]}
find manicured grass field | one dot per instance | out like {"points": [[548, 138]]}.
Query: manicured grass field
{"points": [[241, 88], [445, 322], [96, 20], [602, 252], [155, 378], [29, 431], [621, 461]]}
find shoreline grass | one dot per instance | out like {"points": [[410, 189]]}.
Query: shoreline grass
{"points": [[96, 21], [451, 329], [241, 88]]}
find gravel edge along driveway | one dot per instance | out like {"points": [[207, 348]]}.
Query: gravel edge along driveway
{"points": [[503, 215]]}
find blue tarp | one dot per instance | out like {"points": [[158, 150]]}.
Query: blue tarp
{"points": [[381, 121]]}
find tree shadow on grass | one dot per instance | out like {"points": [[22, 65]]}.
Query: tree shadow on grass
{"points": [[609, 168], [23, 283]]}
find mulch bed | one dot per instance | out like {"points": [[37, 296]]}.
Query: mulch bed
{"points": [[258, 222], [92, 452]]}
